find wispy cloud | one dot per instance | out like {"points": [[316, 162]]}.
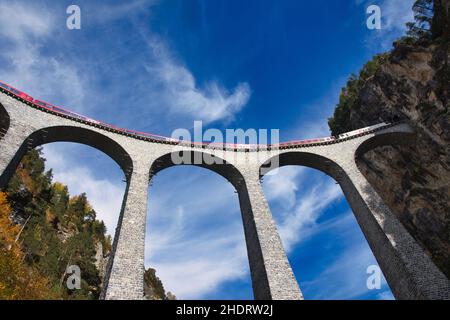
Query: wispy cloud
{"points": [[171, 88], [168, 84], [282, 185], [21, 22], [108, 13], [300, 209], [346, 277], [181, 93], [25, 28], [394, 16]]}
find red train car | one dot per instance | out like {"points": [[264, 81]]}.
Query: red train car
{"points": [[16, 92]]}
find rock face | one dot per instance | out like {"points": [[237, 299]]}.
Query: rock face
{"points": [[101, 260], [412, 84]]}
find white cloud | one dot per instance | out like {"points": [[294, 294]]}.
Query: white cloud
{"points": [[346, 277], [203, 265], [299, 210], [108, 13], [282, 184], [26, 28], [396, 13], [180, 92], [19, 22], [309, 208], [394, 16], [196, 243]]}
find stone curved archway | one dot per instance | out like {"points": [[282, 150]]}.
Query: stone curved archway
{"points": [[266, 280], [306, 159], [384, 139], [196, 158], [70, 134], [316, 166], [260, 283]]}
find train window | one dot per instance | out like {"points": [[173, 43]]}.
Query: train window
{"points": [[4, 86], [62, 111]]}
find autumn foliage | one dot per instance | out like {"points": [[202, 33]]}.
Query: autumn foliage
{"points": [[44, 230], [17, 280]]}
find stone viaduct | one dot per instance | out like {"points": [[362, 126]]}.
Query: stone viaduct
{"points": [[408, 269]]}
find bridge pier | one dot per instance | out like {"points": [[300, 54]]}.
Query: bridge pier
{"points": [[271, 272], [125, 272], [409, 271], [13, 146]]}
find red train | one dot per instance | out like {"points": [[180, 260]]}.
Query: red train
{"points": [[154, 137]]}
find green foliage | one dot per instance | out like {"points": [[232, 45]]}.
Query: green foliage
{"points": [[348, 99], [59, 230], [154, 282], [153, 287]]}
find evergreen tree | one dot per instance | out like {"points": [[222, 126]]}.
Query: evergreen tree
{"points": [[423, 15]]}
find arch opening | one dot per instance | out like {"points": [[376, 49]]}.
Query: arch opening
{"points": [[195, 235], [384, 139], [67, 217], [312, 212], [215, 164], [71, 134]]}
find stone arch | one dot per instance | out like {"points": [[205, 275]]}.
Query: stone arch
{"points": [[219, 166], [259, 273], [335, 171], [5, 121], [305, 159], [71, 134], [384, 139]]}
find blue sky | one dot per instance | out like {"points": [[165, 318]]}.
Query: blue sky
{"points": [[157, 66]]}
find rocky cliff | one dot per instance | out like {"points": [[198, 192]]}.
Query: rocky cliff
{"points": [[410, 83]]}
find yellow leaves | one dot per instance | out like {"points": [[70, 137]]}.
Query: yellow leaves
{"points": [[59, 187], [17, 280], [49, 216], [8, 231]]}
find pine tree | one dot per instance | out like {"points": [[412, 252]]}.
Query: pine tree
{"points": [[423, 15]]}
